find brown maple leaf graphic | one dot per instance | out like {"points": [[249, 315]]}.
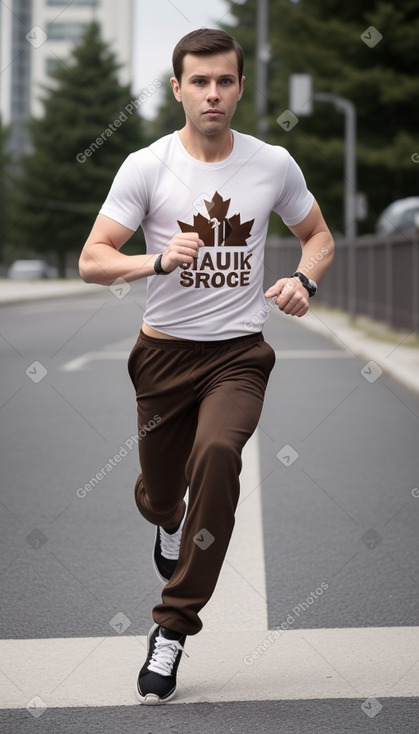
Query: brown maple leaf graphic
{"points": [[200, 225], [217, 207], [239, 231], [219, 231]]}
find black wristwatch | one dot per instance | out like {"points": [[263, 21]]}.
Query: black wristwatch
{"points": [[308, 284], [157, 266]]}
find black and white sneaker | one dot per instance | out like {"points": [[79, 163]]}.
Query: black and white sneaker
{"points": [[157, 678], [166, 551]]}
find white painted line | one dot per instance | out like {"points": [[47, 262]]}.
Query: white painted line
{"points": [[27, 290], [79, 362], [301, 664], [57, 305], [234, 658], [102, 671], [116, 350], [239, 600], [312, 354]]}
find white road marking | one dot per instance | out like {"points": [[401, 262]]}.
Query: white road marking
{"points": [[312, 354], [119, 350], [66, 305], [234, 658], [355, 663], [79, 362], [239, 600]]}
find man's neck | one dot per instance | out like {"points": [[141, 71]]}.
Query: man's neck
{"points": [[207, 148]]}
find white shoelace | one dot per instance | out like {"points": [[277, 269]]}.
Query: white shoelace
{"points": [[170, 542], [164, 655]]}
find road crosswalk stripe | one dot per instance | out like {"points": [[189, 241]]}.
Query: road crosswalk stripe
{"points": [[312, 354], [234, 658], [359, 663]]}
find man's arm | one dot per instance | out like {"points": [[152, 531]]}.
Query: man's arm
{"points": [[101, 262], [317, 255]]}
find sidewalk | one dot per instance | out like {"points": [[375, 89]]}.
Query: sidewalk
{"points": [[396, 354], [19, 291], [366, 340]]}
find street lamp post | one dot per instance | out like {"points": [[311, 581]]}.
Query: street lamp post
{"points": [[301, 103], [262, 58], [348, 109]]}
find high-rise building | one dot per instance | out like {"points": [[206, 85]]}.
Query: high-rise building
{"points": [[15, 69], [37, 35]]}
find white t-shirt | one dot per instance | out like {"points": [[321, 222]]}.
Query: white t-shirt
{"points": [[166, 191]]}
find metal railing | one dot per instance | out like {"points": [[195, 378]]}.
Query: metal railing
{"points": [[378, 277]]}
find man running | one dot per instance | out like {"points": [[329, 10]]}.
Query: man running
{"points": [[203, 196]]}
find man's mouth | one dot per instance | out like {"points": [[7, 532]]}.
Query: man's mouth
{"points": [[213, 112]]}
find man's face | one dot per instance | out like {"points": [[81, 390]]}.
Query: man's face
{"points": [[209, 91]]}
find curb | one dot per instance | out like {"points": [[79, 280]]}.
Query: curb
{"points": [[396, 360], [20, 291]]}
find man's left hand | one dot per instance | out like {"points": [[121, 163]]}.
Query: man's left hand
{"points": [[290, 296]]}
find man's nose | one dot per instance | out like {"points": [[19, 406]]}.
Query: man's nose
{"points": [[213, 93]]}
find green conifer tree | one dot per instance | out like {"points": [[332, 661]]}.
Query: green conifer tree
{"points": [[324, 38], [90, 125]]}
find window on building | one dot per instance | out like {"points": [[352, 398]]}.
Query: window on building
{"points": [[65, 31]]}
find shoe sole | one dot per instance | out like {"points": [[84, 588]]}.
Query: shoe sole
{"points": [[151, 699]]}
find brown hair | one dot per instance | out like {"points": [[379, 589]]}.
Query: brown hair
{"points": [[203, 42]]}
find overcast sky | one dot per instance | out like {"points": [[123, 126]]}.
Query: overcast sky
{"points": [[158, 26]]}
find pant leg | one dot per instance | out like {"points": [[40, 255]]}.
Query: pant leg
{"points": [[229, 411], [162, 381]]}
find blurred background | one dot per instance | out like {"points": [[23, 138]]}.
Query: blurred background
{"points": [[85, 83]]}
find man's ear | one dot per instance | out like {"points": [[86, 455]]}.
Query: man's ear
{"points": [[242, 83], [176, 88]]}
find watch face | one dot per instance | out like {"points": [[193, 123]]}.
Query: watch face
{"points": [[312, 287]]}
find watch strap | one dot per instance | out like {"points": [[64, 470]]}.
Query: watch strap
{"points": [[158, 266], [308, 284]]}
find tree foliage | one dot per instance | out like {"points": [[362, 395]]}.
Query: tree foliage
{"points": [[88, 128], [170, 116], [323, 38]]}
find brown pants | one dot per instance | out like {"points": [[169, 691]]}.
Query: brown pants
{"points": [[198, 404]]}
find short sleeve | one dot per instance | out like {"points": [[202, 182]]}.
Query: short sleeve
{"points": [[295, 200], [126, 201]]}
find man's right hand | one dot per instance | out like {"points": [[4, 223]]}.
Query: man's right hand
{"points": [[182, 248]]}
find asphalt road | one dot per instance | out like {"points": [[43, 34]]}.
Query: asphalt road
{"points": [[338, 481]]}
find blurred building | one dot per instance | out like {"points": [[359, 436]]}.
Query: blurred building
{"points": [[15, 69], [38, 35]]}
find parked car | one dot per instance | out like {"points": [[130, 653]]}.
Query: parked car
{"points": [[31, 270], [399, 216]]}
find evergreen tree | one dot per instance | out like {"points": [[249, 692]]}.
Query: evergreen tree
{"points": [[323, 38], [90, 125], [170, 116]]}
